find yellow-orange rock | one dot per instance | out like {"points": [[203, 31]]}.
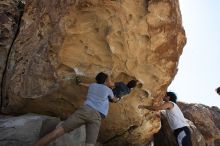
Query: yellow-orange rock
{"points": [[129, 39]]}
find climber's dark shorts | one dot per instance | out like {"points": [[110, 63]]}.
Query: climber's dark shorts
{"points": [[183, 136], [87, 116]]}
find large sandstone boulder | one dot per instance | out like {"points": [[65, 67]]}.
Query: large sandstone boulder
{"points": [[10, 14], [25, 130], [128, 39]]}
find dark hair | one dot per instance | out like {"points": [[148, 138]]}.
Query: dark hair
{"points": [[172, 96], [132, 84], [101, 78], [218, 90]]}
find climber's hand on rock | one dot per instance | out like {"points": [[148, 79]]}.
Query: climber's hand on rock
{"points": [[77, 80], [158, 114], [141, 106]]}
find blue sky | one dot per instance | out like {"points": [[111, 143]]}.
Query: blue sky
{"points": [[199, 65]]}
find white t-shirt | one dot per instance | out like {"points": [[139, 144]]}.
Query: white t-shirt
{"points": [[175, 117]]}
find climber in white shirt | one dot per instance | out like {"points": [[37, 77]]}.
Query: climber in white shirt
{"points": [[175, 118]]}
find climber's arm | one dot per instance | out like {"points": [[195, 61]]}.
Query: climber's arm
{"points": [[166, 105], [78, 82], [84, 84], [114, 99]]}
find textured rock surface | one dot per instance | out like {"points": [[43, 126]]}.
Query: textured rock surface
{"points": [[10, 13], [25, 130], [58, 40], [22, 130], [204, 126], [165, 136], [74, 138], [206, 119]]}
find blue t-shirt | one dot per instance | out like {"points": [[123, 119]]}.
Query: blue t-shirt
{"points": [[97, 97]]}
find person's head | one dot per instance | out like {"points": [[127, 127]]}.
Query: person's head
{"points": [[218, 90], [132, 84], [170, 96], [101, 78]]}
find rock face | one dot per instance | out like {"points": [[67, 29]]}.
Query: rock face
{"points": [[140, 39], [206, 119], [165, 135], [20, 131], [25, 130], [10, 13], [204, 124]]}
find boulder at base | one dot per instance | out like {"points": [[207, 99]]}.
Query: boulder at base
{"points": [[25, 130]]}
